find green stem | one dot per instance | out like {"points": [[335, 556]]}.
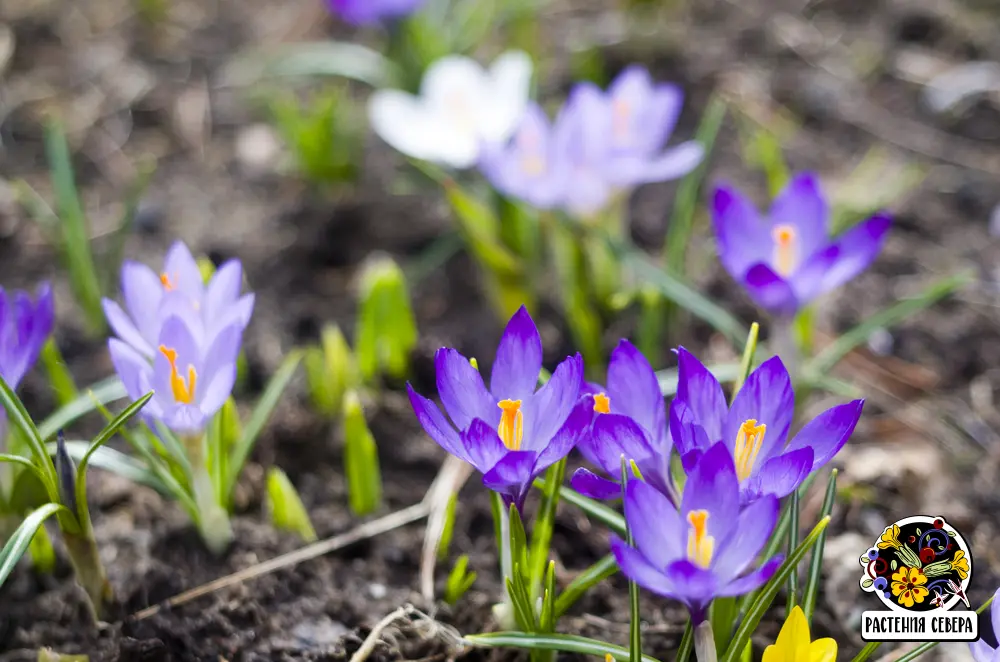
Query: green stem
{"points": [[213, 519], [89, 572]]}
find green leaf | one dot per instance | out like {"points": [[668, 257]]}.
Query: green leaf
{"points": [[104, 392], [481, 229], [793, 541], [43, 555], [635, 618], [557, 642], [386, 331], [75, 228], [117, 463], [223, 432], [723, 614], [825, 361], [459, 580], [60, 378], [545, 521], [18, 543], [285, 507], [767, 594], [311, 59], [547, 619], [686, 647], [749, 349], [21, 420], [361, 464], [518, 540], [593, 509], [258, 419], [524, 611], [83, 514], [586, 580], [811, 590]]}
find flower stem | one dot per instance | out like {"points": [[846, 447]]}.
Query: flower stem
{"points": [[89, 571], [213, 519], [704, 643], [783, 344], [506, 616]]}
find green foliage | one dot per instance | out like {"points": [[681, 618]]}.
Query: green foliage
{"points": [[285, 507], [331, 370], [386, 331], [361, 465], [460, 580]]}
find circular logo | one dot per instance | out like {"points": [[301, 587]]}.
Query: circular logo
{"points": [[918, 564]]}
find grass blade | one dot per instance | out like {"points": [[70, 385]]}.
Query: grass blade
{"points": [[117, 463], [18, 543], [793, 541], [686, 647], [831, 355], [767, 594], [557, 642], [59, 376], [634, 622], [811, 590], [258, 419], [749, 350], [590, 577], [104, 392]]}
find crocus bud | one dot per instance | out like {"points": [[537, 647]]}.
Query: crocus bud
{"points": [[330, 371], [66, 471], [361, 466], [386, 332]]}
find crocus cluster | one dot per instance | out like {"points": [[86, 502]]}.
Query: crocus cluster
{"points": [[369, 12], [601, 144], [179, 337], [787, 258], [692, 544]]}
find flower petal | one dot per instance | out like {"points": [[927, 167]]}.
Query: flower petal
{"points": [[637, 567], [802, 206], [713, 486], [129, 365], [547, 410], [859, 246], [518, 360], [738, 550], [770, 291], [182, 269], [142, 292], [694, 586], [793, 640], [827, 433], [512, 474], [670, 164], [823, 650], [612, 436], [124, 328], [435, 424], [510, 85], [751, 581], [591, 485], [655, 526], [635, 392], [218, 390], [743, 237], [687, 435], [483, 447], [780, 475], [766, 397], [461, 389], [575, 429], [701, 392]]}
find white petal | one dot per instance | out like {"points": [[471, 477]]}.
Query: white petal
{"points": [[450, 76], [510, 86], [401, 120]]}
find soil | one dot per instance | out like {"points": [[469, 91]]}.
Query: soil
{"points": [[846, 72]]}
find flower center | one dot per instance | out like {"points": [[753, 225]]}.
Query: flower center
{"points": [[786, 249], [183, 389], [748, 442], [622, 118], [700, 544], [511, 428], [168, 285], [602, 403]]}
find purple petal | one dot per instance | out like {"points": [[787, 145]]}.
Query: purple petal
{"points": [[142, 292], [780, 475], [575, 429], [694, 585], [737, 551], [222, 294], [752, 581], [512, 474], [802, 206], [770, 291], [175, 336], [223, 351], [713, 486], [482, 444], [655, 526], [519, 359], [218, 390], [686, 434], [995, 614], [635, 392], [182, 270], [132, 368], [614, 435], [637, 567], [435, 424], [690, 460], [673, 163], [743, 237], [547, 410], [809, 279], [766, 397], [701, 392], [859, 247], [827, 433], [124, 328], [461, 389], [982, 651], [185, 419], [588, 191], [591, 485]]}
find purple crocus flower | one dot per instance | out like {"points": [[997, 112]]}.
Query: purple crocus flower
{"points": [[510, 432], [191, 380], [985, 648], [754, 430], [25, 325], [630, 420], [787, 258], [702, 550], [179, 290], [368, 12], [601, 145]]}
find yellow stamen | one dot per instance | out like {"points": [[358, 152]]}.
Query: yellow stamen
{"points": [[511, 428], [167, 283], [622, 112], [749, 439], [602, 404], [183, 389], [786, 250], [533, 165], [700, 545]]}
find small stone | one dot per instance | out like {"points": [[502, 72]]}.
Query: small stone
{"points": [[880, 342], [377, 591], [258, 149]]}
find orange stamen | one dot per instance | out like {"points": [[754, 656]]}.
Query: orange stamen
{"points": [[749, 439], [602, 404], [183, 390], [700, 545], [786, 249], [167, 283], [511, 428]]}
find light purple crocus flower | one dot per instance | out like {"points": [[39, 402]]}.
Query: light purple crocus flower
{"points": [[786, 258], [704, 549], [368, 12], [191, 380], [510, 432], [754, 430], [630, 420], [601, 145], [985, 648], [179, 290], [25, 325]]}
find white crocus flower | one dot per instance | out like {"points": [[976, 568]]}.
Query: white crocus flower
{"points": [[461, 107]]}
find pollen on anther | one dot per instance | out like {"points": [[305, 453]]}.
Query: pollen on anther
{"points": [[602, 403]]}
